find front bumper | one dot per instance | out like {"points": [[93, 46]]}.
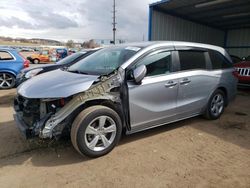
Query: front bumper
{"points": [[24, 129]]}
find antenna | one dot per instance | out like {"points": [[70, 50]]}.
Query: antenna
{"points": [[114, 21]]}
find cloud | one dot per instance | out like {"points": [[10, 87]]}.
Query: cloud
{"points": [[15, 22], [41, 21], [75, 19], [51, 20]]}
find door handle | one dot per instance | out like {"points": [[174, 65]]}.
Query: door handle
{"points": [[185, 81], [170, 84]]}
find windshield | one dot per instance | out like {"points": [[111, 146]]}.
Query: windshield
{"points": [[104, 61], [70, 58]]}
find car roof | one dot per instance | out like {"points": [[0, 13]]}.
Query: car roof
{"points": [[147, 46], [171, 43], [7, 49]]}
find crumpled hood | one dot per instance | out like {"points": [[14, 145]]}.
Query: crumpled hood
{"points": [[56, 84]]}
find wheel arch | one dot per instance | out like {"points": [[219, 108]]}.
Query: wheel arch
{"points": [[104, 102], [9, 71], [224, 90]]}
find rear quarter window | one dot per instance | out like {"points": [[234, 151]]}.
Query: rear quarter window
{"points": [[219, 61], [5, 56]]}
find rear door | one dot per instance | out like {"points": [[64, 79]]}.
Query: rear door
{"points": [[221, 66], [196, 81], [153, 102]]}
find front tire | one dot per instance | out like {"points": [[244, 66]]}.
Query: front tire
{"points": [[96, 131], [216, 105]]}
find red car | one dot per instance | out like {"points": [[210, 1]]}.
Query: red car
{"points": [[243, 69]]}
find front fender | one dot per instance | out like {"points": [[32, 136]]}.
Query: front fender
{"points": [[100, 91]]}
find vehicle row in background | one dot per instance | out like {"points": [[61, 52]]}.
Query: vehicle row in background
{"points": [[48, 55], [11, 63]]}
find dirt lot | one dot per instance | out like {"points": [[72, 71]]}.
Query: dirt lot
{"points": [[191, 153]]}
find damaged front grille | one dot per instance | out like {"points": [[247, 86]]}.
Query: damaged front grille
{"points": [[27, 109]]}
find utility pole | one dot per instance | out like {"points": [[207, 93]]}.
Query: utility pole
{"points": [[114, 21]]}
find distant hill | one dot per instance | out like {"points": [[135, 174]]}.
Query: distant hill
{"points": [[30, 41]]}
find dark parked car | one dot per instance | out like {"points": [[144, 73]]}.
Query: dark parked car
{"points": [[11, 63], [64, 63]]}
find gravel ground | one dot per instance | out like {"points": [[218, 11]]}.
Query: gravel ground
{"points": [[190, 153]]}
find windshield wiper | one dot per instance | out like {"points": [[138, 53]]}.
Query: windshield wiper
{"points": [[65, 68]]}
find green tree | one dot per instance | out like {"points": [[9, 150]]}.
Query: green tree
{"points": [[70, 44]]}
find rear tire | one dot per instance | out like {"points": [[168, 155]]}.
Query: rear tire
{"points": [[96, 131], [7, 80], [216, 105]]}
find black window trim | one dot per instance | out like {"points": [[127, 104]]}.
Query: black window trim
{"points": [[167, 48], [204, 50], [226, 60], [159, 51], [13, 57]]}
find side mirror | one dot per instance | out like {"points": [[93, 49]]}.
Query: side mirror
{"points": [[139, 73]]}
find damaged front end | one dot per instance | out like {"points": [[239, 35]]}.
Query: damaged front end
{"points": [[31, 114], [48, 118]]}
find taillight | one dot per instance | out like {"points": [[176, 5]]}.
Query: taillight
{"points": [[26, 64]]}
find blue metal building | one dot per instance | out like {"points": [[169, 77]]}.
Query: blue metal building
{"points": [[221, 22]]}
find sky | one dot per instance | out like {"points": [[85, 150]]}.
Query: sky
{"points": [[79, 20]]}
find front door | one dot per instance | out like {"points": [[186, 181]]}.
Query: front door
{"points": [[153, 102]]}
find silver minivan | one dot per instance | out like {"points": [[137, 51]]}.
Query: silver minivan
{"points": [[126, 88]]}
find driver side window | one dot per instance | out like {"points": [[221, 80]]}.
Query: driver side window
{"points": [[157, 63]]}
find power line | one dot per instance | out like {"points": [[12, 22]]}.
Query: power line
{"points": [[114, 21]]}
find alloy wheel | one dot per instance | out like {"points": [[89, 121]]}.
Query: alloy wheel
{"points": [[6, 80], [100, 133], [217, 104]]}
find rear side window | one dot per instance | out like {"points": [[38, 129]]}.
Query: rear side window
{"points": [[192, 60], [5, 56], [219, 61]]}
